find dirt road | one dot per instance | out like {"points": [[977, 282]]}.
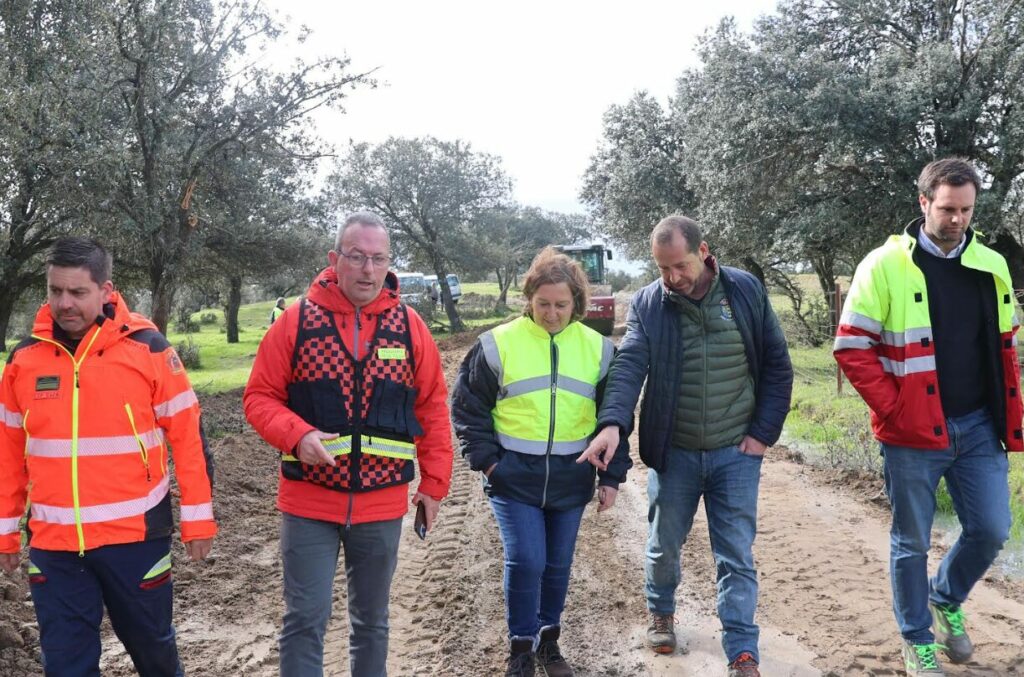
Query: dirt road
{"points": [[821, 553]]}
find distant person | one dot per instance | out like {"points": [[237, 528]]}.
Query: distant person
{"points": [[706, 341], [90, 407], [927, 337], [524, 408], [278, 310], [348, 386]]}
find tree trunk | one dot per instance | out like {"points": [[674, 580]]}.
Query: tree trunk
{"points": [[231, 309], [754, 268], [454, 321], [7, 301], [162, 289], [504, 282], [824, 268], [1013, 252]]}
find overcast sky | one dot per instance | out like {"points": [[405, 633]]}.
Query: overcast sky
{"points": [[527, 81]]}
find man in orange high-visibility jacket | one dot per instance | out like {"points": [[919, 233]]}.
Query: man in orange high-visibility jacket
{"points": [[89, 407], [928, 339]]}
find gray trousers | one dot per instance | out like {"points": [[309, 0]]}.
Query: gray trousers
{"points": [[310, 551]]}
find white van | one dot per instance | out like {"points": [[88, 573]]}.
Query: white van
{"points": [[412, 288], [435, 288]]}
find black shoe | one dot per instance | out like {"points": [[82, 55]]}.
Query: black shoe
{"points": [[520, 658], [549, 656]]}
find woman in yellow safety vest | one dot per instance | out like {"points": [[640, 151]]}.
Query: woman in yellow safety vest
{"points": [[525, 406]]}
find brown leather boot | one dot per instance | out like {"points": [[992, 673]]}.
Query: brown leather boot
{"points": [[661, 635], [549, 656]]}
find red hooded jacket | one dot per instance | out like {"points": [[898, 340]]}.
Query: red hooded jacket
{"points": [[266, 397]]}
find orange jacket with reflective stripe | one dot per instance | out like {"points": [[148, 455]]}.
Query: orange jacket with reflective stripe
{"points": [[85, 438]]}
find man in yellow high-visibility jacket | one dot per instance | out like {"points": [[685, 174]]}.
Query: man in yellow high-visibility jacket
{"points": [[927, 338]]}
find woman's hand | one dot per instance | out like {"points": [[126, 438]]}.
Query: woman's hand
{"points": [[606, 498]]}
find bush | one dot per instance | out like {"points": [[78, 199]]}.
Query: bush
{"points": [[188, 351], [186, 327], [811, 327], [208, 318]]}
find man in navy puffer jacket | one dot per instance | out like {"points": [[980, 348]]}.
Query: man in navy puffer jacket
{"points": [[719, 379]]}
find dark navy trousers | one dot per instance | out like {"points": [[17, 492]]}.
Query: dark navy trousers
{"points": [[131, 580]]}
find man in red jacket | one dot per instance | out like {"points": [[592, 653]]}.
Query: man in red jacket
{"points": [[348, 385]]}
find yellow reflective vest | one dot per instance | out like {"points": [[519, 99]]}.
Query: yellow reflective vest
{"points": [[547, 385]]}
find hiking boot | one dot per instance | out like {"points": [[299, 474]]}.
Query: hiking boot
{"points": [[921, 660], [661, 636], [520, 658], [745, 665], [950, 634], [549, 656]]}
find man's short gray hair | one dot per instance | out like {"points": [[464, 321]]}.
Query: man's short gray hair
{"points": [[360, 219]]}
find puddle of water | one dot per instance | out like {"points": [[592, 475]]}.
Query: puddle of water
{"points": [[1010, 560]]}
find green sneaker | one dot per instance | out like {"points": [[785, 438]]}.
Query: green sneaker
{"points": [[950, 634], [921, 660]]}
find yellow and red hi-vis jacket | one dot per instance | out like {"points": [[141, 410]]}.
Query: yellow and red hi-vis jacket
{"points": [[885, 346], [85, 438]]}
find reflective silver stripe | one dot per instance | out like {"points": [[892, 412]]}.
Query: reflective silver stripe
{"points": [[491, 355], [607, 353], [543, 383], [179, 402], [378, 446], [526, 385], [861, 322], [900, 339], [105, 512], [573, 385], [854, 343], [913, 365], [9, 525], [540, 448], [11, 418], [94, 446], [197, 513]]}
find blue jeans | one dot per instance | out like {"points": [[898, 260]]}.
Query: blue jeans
{"points": [[539, 545], [310, 551], [69, 594], [976, 470], [728, 480]]}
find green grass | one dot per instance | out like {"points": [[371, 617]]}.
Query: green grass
{"points": [[223, 365]]}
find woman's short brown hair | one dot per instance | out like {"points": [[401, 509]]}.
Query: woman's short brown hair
{"points": [[553, 267]]}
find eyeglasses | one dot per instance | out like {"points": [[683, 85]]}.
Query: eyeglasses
{"points": [[358, 260]]}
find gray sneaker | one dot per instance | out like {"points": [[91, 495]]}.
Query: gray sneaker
{"points": [[921, 660], [950, 634], [661, 635]]}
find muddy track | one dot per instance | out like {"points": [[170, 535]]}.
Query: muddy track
{"points": [[821, 552]]}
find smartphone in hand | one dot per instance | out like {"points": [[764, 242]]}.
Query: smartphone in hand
{"points": [[419, 524]]}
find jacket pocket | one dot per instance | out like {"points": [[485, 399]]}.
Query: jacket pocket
{"points": [[392, 408]]}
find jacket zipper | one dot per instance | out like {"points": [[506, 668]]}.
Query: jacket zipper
{"points": [[551, 425], [702, 427], [142, 446], [355, 459], [80, 532]]}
